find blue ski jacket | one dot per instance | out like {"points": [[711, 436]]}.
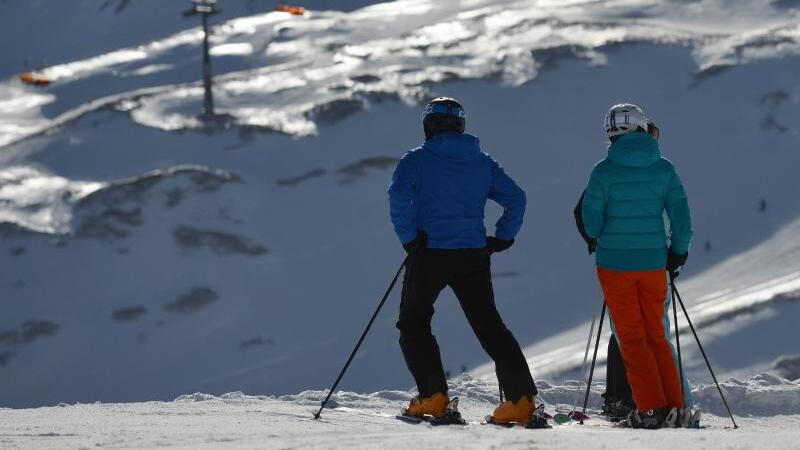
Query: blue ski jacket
{"points": [[442, 188], [624, 206]]}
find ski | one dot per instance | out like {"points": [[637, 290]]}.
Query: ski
{"points": [[690, 420], [435, 421], [574, 418]]}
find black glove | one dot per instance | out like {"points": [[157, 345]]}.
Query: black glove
{"points": [[675, 261], [497, 245], [591, 244], [419, 242]]}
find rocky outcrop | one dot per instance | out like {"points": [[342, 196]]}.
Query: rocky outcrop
{"points": [[193, 301], [128, 314], [113, 211], [352, 172], [220, 242]]}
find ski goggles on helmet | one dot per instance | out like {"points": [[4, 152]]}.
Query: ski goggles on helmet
{"points": [[448, 110]]}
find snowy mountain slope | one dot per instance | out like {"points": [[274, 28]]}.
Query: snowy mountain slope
{"points": [[234, 420], [280, 71], [68, 30], [238, 259]]}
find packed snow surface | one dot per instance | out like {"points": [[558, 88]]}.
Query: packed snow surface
{"points": [[235, 420]]}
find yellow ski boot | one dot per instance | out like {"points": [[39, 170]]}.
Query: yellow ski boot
{"points": [[435, 410], [435, 405], [519, 412]]}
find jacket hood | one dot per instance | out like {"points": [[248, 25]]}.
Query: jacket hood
{"points": [[635, 150], [454, 146]]}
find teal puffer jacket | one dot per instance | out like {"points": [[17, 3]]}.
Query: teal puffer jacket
{"points": [[624, 206]]}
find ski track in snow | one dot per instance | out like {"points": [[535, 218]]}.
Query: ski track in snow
{"points": [[299, 69], [236, 420]]}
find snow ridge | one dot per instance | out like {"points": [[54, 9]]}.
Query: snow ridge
{"points": [[42, 202], [763, 395]]}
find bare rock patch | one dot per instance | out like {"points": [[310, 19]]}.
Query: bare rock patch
{"points": [[128, 314], [193, 301], [220, 242]]}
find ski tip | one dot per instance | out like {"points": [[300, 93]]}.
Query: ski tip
{"points": [[433, 421], [409, 419], [536, 423]]}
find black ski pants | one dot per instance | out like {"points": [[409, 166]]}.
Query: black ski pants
{"points": [[617, 386], [468, 273]]}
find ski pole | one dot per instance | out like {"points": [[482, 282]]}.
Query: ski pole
{"points": [[672, 276], [686, 313], [361, 339], [585, 358], [594, 359]]}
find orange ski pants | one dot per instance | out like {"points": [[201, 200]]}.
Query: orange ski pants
{"points": [[635, 301]]}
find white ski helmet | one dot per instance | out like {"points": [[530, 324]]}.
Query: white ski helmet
{"points": [[623, 119]]}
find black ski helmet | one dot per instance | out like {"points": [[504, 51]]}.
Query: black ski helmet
{"points": [[443, 114]]}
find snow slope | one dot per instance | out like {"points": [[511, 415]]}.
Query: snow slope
{"points": [[235, 420], [62, 31], [144, 263], [282, 72]]}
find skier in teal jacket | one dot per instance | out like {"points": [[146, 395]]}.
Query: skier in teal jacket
{"points": [[618, 399], [624, 205]]}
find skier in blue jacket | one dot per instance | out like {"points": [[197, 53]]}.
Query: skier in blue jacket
{"points": [[437, 200]]}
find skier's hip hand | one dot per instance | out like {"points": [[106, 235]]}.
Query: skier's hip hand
{"points": [[497, 245], [417, 244]]}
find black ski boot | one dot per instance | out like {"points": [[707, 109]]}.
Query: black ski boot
{"points": [[616, 410], [682, 418], [648, 420], [538, 419]]}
